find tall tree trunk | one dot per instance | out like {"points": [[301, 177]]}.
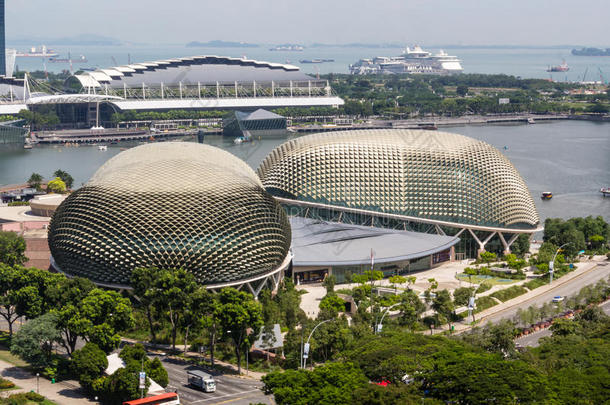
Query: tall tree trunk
{"points": [[173, 321], [238, 355], [212, 344], [186, 337], [150, 323]]}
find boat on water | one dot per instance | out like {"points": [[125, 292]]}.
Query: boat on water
{"points": [[546, 195], [38, 52], [559, 68], [102, 147], [605, 191], [80, 59], [591, 52], [288, 47], [414, 61]]}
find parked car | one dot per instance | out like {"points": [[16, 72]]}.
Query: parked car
{"points": [[557, 299]]}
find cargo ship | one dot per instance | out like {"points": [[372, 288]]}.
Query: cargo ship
{"points": [[288, 48], [80, 59], [591, 52], [413, 61], [38, 52], [316, 60], [560, 68]]}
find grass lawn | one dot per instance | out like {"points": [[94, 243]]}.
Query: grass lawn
{"points": [[478, 279], [5, 355]]}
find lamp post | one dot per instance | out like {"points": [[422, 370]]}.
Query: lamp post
{"points": [[379, 326], [552, 262], [306, 347], [38, 383]]}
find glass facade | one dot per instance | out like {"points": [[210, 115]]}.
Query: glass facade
{"points": [[2, 40], [240, 124]]}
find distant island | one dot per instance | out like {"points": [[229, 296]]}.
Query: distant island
{"points": [[220, 44], [591, 52]]}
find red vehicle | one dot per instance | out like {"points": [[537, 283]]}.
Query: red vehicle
{"points": [[383, 383], [170, 398]]}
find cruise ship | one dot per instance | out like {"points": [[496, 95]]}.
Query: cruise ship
{"points": [[414, 61]]}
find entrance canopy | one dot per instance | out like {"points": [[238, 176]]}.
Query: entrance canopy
{"points": [[321, 243]]}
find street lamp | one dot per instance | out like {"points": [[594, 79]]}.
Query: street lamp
{"points": [[306, 347], [379, 326], [552, 262], [38, 383]]}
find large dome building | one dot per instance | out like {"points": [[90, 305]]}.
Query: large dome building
{"points": [[173, 205], [417, 180]]}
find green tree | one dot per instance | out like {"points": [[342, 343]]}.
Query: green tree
{"points": [[394, 280], [521, 245], [332, 383], [333, 303], [461, 90], [121, 386], [65, 177], [329, 284], [564, 327], [35, 180], [174, 291], [488, 376], [12, 249], [462, 295], [239, 312], [443, 305], [143, 282], [35, 339], [488, 257], [56, 185], [88, 364]]}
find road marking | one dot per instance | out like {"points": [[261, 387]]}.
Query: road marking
{"points": [[224, 396]]}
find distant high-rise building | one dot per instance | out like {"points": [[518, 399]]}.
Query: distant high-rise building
{"points": [[2, 41]]}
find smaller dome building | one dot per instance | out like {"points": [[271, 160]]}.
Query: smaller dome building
{"points": [[172, 205]]}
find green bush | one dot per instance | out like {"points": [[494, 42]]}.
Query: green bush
{"points": [[484, 286], [88, 364], [535, 283], [509, 293], [483, 303], [32, 396], [18, 203], [461, 295], [6, 384]]}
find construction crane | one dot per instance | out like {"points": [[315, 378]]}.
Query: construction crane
{"points": [[114, 61], [601, 75], [585, 74]]}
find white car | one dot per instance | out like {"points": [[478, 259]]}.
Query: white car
{"points": [[557, 298]]}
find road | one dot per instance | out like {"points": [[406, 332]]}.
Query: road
{"points": [[601, 271], [229, 389], [533, 338]]}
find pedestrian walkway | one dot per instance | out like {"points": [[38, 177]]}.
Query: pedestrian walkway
{"points": [[64, 393]]}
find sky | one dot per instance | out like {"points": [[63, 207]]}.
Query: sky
{"points": [[456, 22]]}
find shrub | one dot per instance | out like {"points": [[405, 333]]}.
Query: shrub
{"points": [[32, 396], [509, 293], [6, 384], [18, 203], [88, 364], [535, 283], [461, 295], [483, 303], [484, 286]]}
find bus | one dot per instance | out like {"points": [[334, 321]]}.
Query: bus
{"points": [[171, 398], [201, 380]]}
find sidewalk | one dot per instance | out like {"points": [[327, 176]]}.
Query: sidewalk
{"points": [[64, 393], [583, 267]]}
